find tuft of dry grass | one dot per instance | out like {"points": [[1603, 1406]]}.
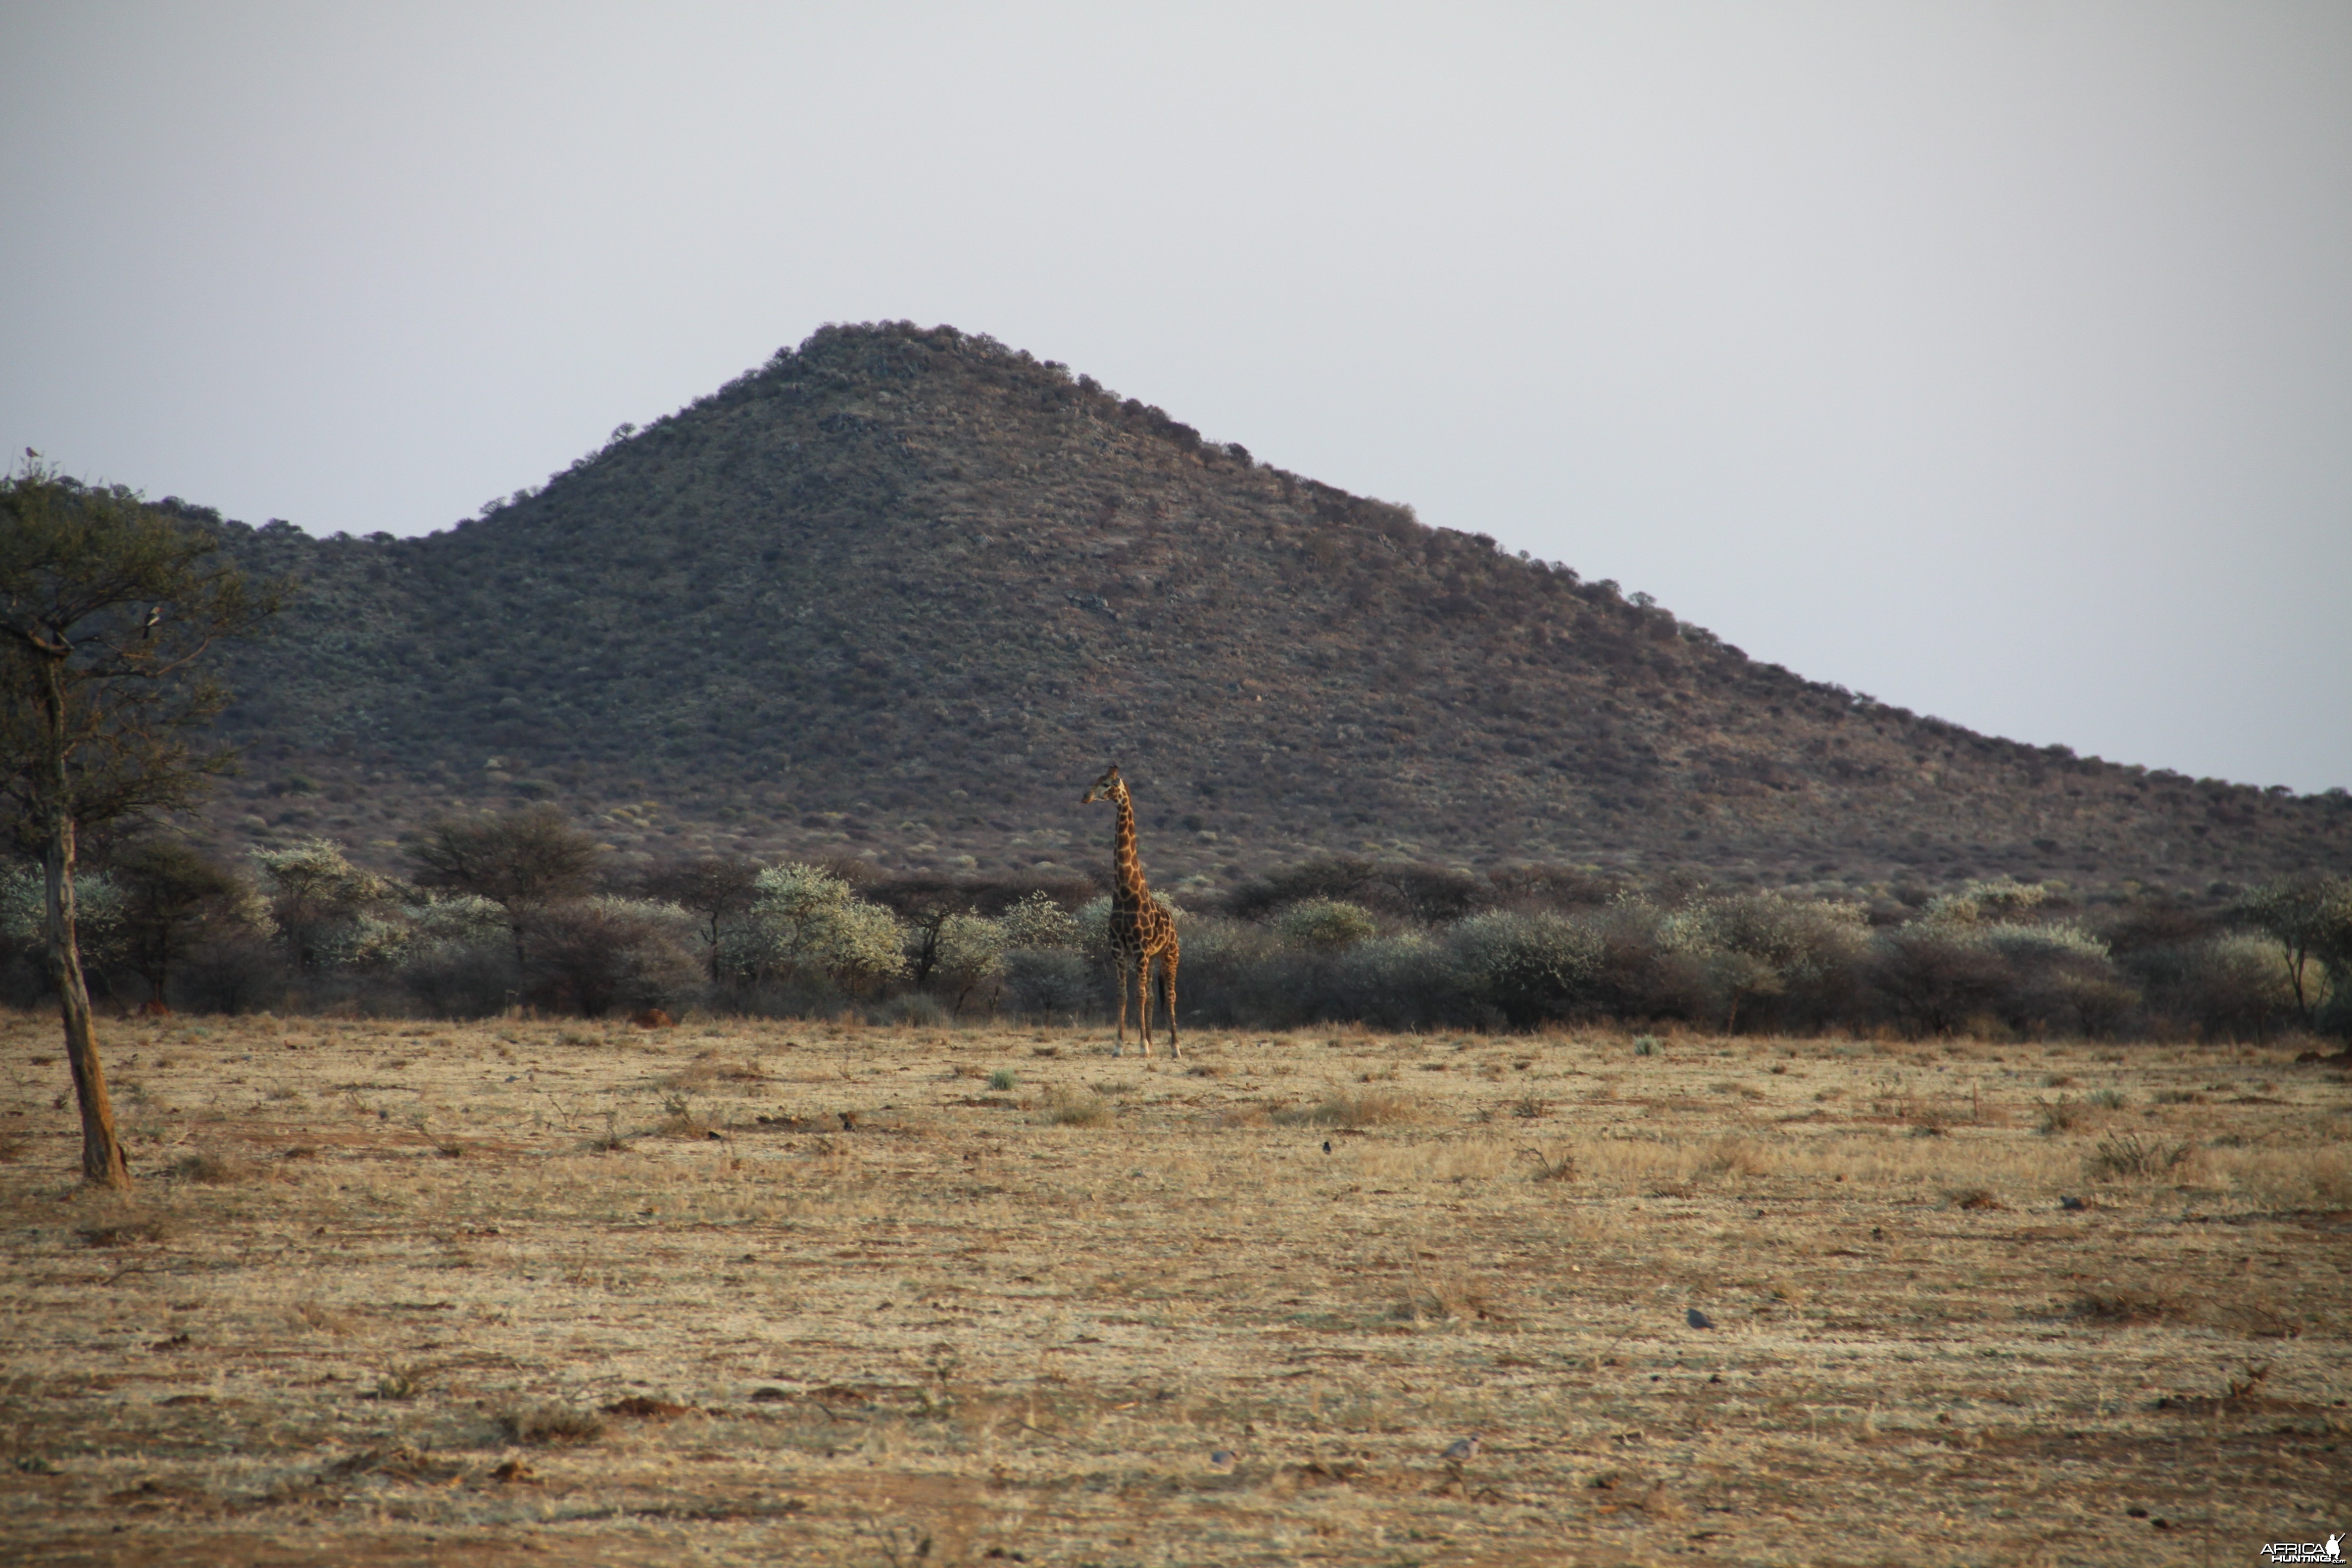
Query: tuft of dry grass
{"points": [[1556, 1166], [213, 1169], [2127, 1156], [128, 1230], [398, 1384], [320, 1317], [1374, 1107], [1735, 1157], [708, 1070], [1432, 1297], [2121, 1305], [1066, 1107], [2062, 1115], [637, 1407], [550, 1425]]}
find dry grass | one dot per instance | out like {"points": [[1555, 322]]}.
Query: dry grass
{"points": [[213, 1169], [550, 1425], [2127, 1156], [1068, 1107], [842, 1293], [1375, 1108]]}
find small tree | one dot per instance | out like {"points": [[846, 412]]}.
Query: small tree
{"points": [[968, 956], [1325, 925], [1039, 921], [1528, 967], [172, 898], [715, 888], [596, 955], [316, 895], [2309, 917], [105, 608], [807, 922], [521, 861]]}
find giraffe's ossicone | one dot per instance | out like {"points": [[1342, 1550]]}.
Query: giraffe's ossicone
{"points": [[1142, 936]]}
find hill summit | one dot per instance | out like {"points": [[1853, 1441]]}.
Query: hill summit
{"points": [[898, 593]]}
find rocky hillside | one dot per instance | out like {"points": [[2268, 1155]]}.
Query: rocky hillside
{"points": [[900, 593]]}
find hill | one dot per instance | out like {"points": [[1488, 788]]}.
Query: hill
{"points": [[898, 593]]}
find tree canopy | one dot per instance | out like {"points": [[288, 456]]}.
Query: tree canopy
{"points": [[106, 606]]}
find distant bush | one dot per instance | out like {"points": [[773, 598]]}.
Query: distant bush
{"points": [[2308, 917], [321, 903], [1404, 888], [1934, 979], [1039, 921], [601, 955], [969, 960], [1641, 973], [242, 971], [463, 979], [2227, 986], [806, 923], [918, 1008], [1050, 983], [1324, 925], [1409, 981], [1528, 968], [1956, 966], [1781, 962]]}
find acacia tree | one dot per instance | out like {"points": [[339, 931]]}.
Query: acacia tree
{"points": [[172, 896], [2310, 917], [316, 894], [926, 904], [521, 861], [717, 888], [106, 608]]}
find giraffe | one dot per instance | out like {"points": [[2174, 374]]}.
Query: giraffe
{"points": [[1140, 931]]}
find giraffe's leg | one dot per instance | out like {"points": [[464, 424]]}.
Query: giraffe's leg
{"points": [[1122, 1050], [1143, 998], [1168, 1000]]}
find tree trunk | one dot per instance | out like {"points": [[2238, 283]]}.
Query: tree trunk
{"points": [[101, 1150]]}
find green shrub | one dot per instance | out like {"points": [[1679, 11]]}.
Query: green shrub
{"points": [[1772, 959], [969, 960], [807, 922], [1324, 925], [1527, 967], [1038, 921]]}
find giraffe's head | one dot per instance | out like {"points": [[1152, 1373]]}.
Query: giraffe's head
{"points": [[1110, 787]]}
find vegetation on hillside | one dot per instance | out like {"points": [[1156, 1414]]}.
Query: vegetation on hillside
{"points": [[887, 596]]}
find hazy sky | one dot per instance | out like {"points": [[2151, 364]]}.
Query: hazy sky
{"points": [[1993, 359]]}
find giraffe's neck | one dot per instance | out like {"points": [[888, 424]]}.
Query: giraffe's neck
{"points": [[1127, 866]]}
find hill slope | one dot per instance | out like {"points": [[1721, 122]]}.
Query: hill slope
{"points": [[901, 593]]}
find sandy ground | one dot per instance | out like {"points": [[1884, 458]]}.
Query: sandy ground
{"points": [[735, 1292]]}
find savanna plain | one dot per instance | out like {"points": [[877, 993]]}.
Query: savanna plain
{"points": [[736, 1291]]}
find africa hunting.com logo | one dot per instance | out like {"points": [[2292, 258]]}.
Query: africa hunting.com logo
{"points": [[2330, 1551]]}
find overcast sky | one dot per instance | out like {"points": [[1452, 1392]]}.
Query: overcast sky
{"points": [[1993, 359]]}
